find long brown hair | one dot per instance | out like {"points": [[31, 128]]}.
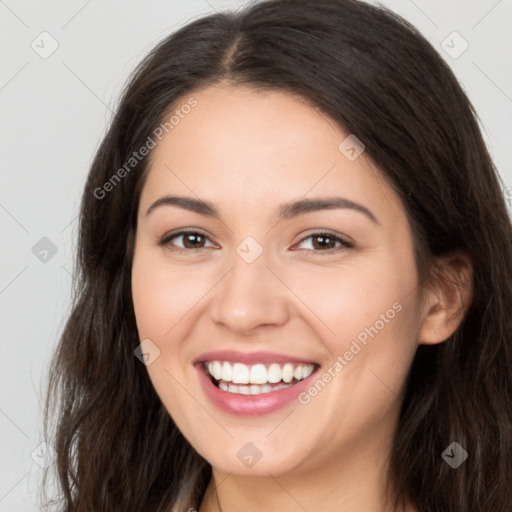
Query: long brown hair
{"points": [[377, 77]]}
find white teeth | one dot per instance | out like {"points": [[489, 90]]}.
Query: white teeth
{"points": [[255, 389], [274, 373], [257, 375], [307, 370], [288, 372], [217, 370], [252, 389], [240, 374], [227, 372]]}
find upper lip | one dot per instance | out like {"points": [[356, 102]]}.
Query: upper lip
{"points": [[234, 356]]}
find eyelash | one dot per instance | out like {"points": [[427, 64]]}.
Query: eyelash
{"points": [[164, 241]]}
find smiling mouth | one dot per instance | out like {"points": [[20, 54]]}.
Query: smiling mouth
{"points": [[258, 378]]}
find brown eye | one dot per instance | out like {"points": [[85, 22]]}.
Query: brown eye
{"points": [[326, 243], [190, 240], [323, 242], [193, 240]]}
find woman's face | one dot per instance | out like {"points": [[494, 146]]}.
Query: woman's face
{"points": [[271, 288]]}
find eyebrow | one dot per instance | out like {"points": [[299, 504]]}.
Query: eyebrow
{"points": [[285, 210]]}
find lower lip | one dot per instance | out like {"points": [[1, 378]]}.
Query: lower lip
{"points": [[250, 405]]}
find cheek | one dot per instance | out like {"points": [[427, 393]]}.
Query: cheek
{"points": [[162, 298], [163, 294], [348, 301], [370, 310], [371, 313]]}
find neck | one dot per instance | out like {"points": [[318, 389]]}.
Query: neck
{"points": [[348, 483]]}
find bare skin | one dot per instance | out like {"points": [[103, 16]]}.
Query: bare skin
{"points": [[247, 152]]}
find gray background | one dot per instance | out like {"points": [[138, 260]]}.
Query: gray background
{"points": [[56, 109]]}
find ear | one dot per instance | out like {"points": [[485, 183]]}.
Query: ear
{"points": [[447, 299]]}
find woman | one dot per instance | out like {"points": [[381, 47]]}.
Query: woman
{"points": [[294, 279]]}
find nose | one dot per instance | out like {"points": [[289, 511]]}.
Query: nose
{"points": [[250, 298]]}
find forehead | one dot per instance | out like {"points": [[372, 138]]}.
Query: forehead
{"points": [[253, 149]]}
